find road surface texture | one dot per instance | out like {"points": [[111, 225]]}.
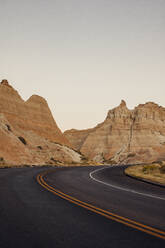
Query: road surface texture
{"points": [[34, 216]]}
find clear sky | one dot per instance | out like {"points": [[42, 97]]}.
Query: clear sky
{"points": [[84, 56]]}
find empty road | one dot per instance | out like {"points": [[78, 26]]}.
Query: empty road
{"points": [[79, 207]]}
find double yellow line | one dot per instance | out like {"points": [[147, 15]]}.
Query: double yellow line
{"points": [[144, 228]]}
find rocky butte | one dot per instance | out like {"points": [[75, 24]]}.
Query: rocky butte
{"points": [[126, 136], [28, 132]]}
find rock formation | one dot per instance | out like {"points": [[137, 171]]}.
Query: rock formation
{"points": [[126, 136], [28, 132], [34, 114]]}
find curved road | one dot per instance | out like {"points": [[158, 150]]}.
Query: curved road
{"points": [[32, 216]]}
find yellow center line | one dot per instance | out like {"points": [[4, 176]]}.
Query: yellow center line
{"points": [[147, 229]]}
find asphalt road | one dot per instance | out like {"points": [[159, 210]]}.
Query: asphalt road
{"points": [[31, 216]]}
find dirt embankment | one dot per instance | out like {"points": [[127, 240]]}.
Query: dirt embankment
{"points": [[152, 172]]}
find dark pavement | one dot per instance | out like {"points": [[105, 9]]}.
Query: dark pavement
{"points": [[31, 216]]}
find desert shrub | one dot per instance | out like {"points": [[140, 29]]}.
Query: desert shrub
{"points": [[145, 169], [39, 147], [22, 140], [2, 161], [162, 169], [148, 168], [83, 158], [52, 159]]}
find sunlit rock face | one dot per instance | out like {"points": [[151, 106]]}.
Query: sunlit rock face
{"points": [[126, 136], [34, 114], [28, 132]]}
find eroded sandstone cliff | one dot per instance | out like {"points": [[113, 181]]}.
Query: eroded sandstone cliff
{"points": [[126, 136], [28, 132], [33, 114]]}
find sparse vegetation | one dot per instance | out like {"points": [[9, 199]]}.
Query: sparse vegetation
{"points": [[39, 147], [162, 169], [154, 172], [110, 161], [1, 159], [2, 162], [149, 168], [83, 158]]}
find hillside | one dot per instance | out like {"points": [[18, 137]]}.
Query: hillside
{"points": [[28, 132], [125, 136]]}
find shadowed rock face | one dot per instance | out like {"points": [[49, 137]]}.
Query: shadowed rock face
{"points": [[126, 136], [33, 123]]}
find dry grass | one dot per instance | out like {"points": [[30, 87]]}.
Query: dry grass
{"points": [[153, 172], [50, 164]]}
